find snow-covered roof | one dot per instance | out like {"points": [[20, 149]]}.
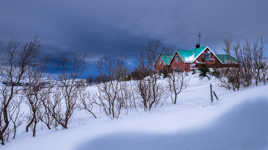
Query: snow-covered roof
{"points": [[189, 56], [166, 59]]}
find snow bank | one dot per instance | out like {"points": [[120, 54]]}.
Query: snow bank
{"points": [[242, 128], [237, 121]]}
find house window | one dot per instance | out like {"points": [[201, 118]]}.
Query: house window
{"points": [[206, 56], [177, 58]]}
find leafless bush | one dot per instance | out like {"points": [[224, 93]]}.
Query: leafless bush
{"points": [[252, 65], [259, 64], [63, 105], [16, 116], [17, 61], [127, 95], [65, 95], [230, 78], [176, 84], [147, 85], [150, 91], [35, 93], [45, 114], [151, 51], [108, 96], [113, 93], [87, 102]]}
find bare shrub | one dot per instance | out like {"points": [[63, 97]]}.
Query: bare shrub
{"points": [[108, 96], [113, 93], [87, 102], [16, 116], [65, 95], [252, 65], [176, 84], [150, 91], [45, 114], [230, 78], [17, 60], [147, 86], [35, 94], [259, 64]]}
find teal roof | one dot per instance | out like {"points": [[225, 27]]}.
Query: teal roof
{"points": [[190, 55], [225, 59], [166, 59]]}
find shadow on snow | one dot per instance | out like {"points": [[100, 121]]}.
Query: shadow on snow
{"points": [[244, 127]]}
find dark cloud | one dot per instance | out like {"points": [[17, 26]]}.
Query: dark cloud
{"points": [[122, 27]]}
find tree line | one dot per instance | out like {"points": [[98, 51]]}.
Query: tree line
{"points": [[253, 65]]}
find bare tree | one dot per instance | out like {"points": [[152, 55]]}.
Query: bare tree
{"points": [[113, 93], [148, 86], [45, 113], [18, 60], [252, 65], [66, 92], [259, 64], [231, 78], [16, 116], [150, 91], [167, 50], [151, 51], [87, 102], [176, 83], [108, 98], [35, 95]]}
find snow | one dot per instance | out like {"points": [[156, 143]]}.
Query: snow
{"points": [[241, 128], [238, 121], [190, 59]]}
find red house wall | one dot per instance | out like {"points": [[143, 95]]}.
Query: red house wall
{"points": [[177, 65], [213, 59], [159, 66]]}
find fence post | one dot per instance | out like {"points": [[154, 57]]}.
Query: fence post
{"points": [[211, 93]]}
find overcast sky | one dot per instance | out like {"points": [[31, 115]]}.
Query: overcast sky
{"points": [[122, 27]]}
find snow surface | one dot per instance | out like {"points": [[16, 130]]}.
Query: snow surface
{"points": [[238, 121], [190, 59]]}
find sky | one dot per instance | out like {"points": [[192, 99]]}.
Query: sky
{"points": [[123, 27]]}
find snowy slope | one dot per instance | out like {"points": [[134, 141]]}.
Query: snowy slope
{"points": [[237, 122]]}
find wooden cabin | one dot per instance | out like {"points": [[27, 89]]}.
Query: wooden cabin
{"points": [[187, 60]]}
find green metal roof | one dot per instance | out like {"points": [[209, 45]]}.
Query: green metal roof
{"points": [[166, 59], [226, 58], [190, 55]]}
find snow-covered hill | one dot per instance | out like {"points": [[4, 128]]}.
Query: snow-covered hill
{"points": [[238, 121]]}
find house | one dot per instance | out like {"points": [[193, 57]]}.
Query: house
{"points": [[186, 60]]}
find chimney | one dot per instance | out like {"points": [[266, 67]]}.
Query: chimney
{"points": [[199, 41]]}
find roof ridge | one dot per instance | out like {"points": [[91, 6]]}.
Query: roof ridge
{"points": [[192, 54]]}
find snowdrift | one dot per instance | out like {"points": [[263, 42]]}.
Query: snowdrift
{"points": [[244, 127], [238, 121]]}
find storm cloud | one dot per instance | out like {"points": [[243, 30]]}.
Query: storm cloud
{"points": [[122, 27]]}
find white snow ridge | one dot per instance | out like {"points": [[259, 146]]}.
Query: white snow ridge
{"points": [[238, 121], [244, 127]]}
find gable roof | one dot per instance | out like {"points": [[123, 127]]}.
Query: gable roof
{"points": [[191, 55], [166, 59], [225, 58]]}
